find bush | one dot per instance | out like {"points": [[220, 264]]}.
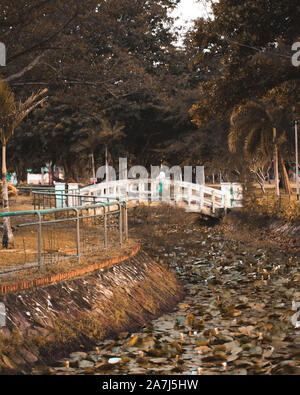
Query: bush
{"points": [[274, 207], [12, 191]]}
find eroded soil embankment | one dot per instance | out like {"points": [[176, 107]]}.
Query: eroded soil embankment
{"points": [[262, 231], [43, 324]]}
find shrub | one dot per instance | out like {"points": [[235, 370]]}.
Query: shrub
{"points": [[274, 207]]}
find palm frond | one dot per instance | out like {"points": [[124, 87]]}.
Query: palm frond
{"points": [[250, 128], [12, 114]]}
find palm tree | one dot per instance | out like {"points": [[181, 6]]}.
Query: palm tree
{"points": [[93, 136], [259, 129], [87, 144], [108, 134], [11, 115]]}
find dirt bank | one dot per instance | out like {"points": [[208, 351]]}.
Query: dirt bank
{"points": [[262, 231], [44, 324]]}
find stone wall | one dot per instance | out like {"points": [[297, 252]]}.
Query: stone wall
{"points": [[45, 323]]}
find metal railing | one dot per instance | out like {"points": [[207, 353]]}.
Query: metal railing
{"points": [[45, 200], [52, 235], [32, 189]]}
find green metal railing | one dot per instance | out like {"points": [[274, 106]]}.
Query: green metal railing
{"points": [[37, 189], [43, 200], [81, 215]]}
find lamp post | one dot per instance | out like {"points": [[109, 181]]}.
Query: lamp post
{"points": [[297, 161]]}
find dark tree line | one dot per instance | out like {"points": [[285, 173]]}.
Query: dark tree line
{"points": [[115, 62]]}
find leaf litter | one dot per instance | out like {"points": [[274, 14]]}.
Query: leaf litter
{"points": [[235, 318]]}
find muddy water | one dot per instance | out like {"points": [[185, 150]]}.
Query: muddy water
{"points": [[236, 317]]}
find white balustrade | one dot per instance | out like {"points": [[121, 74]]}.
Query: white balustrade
{"points": [[147, 190]]}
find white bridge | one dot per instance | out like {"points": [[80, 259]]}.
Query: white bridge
{"points": [[192, 197]]}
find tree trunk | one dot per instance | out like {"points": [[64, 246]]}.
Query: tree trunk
{"points": [[284, 176], [106, 163], [7, 237], [93, 165], [50, 170], [262, 186], [276, 174]]}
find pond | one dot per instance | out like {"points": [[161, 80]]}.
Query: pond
{"points": [[236, 317]]}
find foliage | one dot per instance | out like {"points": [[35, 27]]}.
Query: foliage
{"points": [[11, 115], [12, 191], [275, 207], [113, 60], [247, 49], [252, 133], [249, 45]]}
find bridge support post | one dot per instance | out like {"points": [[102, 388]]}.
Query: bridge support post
{"points": [[189, 195], [201, 198], [213, 198]]}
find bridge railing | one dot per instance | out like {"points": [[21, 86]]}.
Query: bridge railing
{"points": [[147, 190]]}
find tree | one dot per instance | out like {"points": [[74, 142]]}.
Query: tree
{"points": [[11, 115], [114, 58], [108, 134], [248, 48], [258, 130], [260, 166]]}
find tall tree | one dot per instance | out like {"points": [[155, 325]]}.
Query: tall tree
{"points": [[113, 58], [11, 115], [249, 45], [253, 127]]}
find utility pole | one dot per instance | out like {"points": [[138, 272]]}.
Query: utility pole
{"points": [[297, 160], [276, 173]]}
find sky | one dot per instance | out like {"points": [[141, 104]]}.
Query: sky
{"points": [[188, 10]]}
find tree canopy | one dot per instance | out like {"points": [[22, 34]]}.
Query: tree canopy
{"points": [[118, 61]]}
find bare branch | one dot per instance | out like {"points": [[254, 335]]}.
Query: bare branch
{"points": [[44, 41], [25, 69]]}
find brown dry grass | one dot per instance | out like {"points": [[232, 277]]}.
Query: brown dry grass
{"points": [[57, 240], [68, 265]]}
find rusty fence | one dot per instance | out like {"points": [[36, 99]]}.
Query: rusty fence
{"points": [[47, 236]]}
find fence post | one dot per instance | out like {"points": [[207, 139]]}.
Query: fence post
{"points": [[121, 223], [39, 240], [105, 228], [125, 221], [95, 210], [77, 233]]}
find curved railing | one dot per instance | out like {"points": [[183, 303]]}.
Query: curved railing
{"points": [[193, 197]]}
